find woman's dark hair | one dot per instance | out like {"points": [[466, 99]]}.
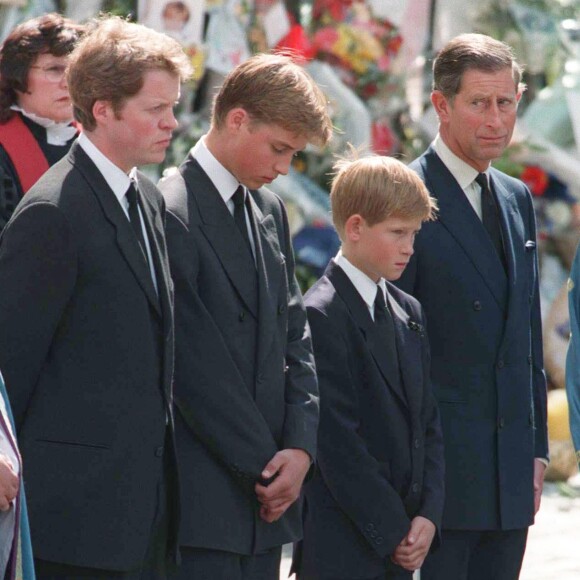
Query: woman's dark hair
{"points": [[51, 33]]}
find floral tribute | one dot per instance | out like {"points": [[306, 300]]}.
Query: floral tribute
{"points": [[362, 47]]}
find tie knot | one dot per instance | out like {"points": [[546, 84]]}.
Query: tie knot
{"points": [[380, 299], [239, 196], [131, 194], [482, 181]]}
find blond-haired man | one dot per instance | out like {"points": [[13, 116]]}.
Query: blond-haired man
{"points": [[246, 391], [86, 316]]}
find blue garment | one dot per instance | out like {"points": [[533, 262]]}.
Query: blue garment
{"points": [[25, 544], [573, 357]]}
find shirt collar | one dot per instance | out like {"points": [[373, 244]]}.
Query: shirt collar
{"points": [[461, 171], [223, 180], [115, 177], [366, 287]]}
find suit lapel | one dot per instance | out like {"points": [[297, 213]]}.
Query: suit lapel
{"points": [[458, 217], [360, 314], [126, 240], [156, 235], [514, 238], [220, 231], [269, 264], [408, 337]]}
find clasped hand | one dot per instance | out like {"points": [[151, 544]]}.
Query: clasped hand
{"points": [[289, 468]]}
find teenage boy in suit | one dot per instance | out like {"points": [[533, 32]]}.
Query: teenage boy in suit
{"points": [[375, 503], [246, 391]]}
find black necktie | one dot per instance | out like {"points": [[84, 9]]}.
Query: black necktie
{"points": [[384, 321], [132, 198], [489, 215], [385, 328], [239, 199]]}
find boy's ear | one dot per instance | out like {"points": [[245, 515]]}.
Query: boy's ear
{"points": [[353, 227], [236, 118]]}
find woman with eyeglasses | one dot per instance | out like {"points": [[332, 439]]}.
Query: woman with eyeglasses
{"points": [[36, 128]]}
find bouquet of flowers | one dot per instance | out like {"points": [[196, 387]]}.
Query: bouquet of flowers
{"points": [[361, 47]]}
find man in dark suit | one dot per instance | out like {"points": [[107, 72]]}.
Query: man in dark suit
{"points": [[475, 271], [245, 386], [375, 502], [86, 314]]}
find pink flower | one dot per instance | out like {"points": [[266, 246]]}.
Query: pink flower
{"points": [[325, 38]]}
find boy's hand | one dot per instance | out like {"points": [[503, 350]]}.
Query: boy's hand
{"points": [[289, 467], [411, 552]]}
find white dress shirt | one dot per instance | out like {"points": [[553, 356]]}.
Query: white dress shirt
{"points": [[223, 181], [119, 182], [366, 287], [463, 173]]}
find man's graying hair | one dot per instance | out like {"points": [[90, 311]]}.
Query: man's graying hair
{"points": [[472, 52]]}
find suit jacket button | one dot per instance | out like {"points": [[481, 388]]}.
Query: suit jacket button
{"points": [[281, 309], [501, 423], [260, 377], [379, 540], [530, 360], [369, 527], [373, 534], [415, 488], [417, 443], [159, 452], [241, 316], [500, 364], [476, 305]]}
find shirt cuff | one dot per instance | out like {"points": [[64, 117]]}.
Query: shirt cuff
{"points": [[546, 462]]}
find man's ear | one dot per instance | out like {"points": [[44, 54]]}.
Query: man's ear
{"points": [[440, 104], [102, 111], [353, 227]]}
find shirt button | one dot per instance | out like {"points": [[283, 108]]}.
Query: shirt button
{"points": [[415, 487], [476, 305], [159, 452]]}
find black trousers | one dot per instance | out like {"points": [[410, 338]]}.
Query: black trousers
{"points": [[203, 564], [155, 565], [477, 555]]}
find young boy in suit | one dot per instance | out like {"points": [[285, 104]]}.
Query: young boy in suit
{"points": [[245, 384], [375, 503]]}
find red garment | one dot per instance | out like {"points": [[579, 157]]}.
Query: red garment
{"points": [[24, 151]]}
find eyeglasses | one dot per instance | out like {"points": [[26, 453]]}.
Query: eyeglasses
{"points": [[52, 73]]}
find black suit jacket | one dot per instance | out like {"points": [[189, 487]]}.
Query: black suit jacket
{"points": [[380, 454], [86, 349], [486, 345], [245, 384]]}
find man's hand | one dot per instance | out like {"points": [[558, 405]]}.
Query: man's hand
{"points": [[411, 552], [539, 469], [9, 483], [290, 467]]}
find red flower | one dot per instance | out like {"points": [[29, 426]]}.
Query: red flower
{"points": [[536, 179]]}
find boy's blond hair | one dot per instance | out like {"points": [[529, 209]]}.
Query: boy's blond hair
{"points": [[274, 90], [110, 63], [378, 187]]}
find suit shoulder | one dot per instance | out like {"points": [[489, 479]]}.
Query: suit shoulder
{"points": [[149, 188], [410, 304], [320, 295], [174, 191], [268, 201], [512, 183]]}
